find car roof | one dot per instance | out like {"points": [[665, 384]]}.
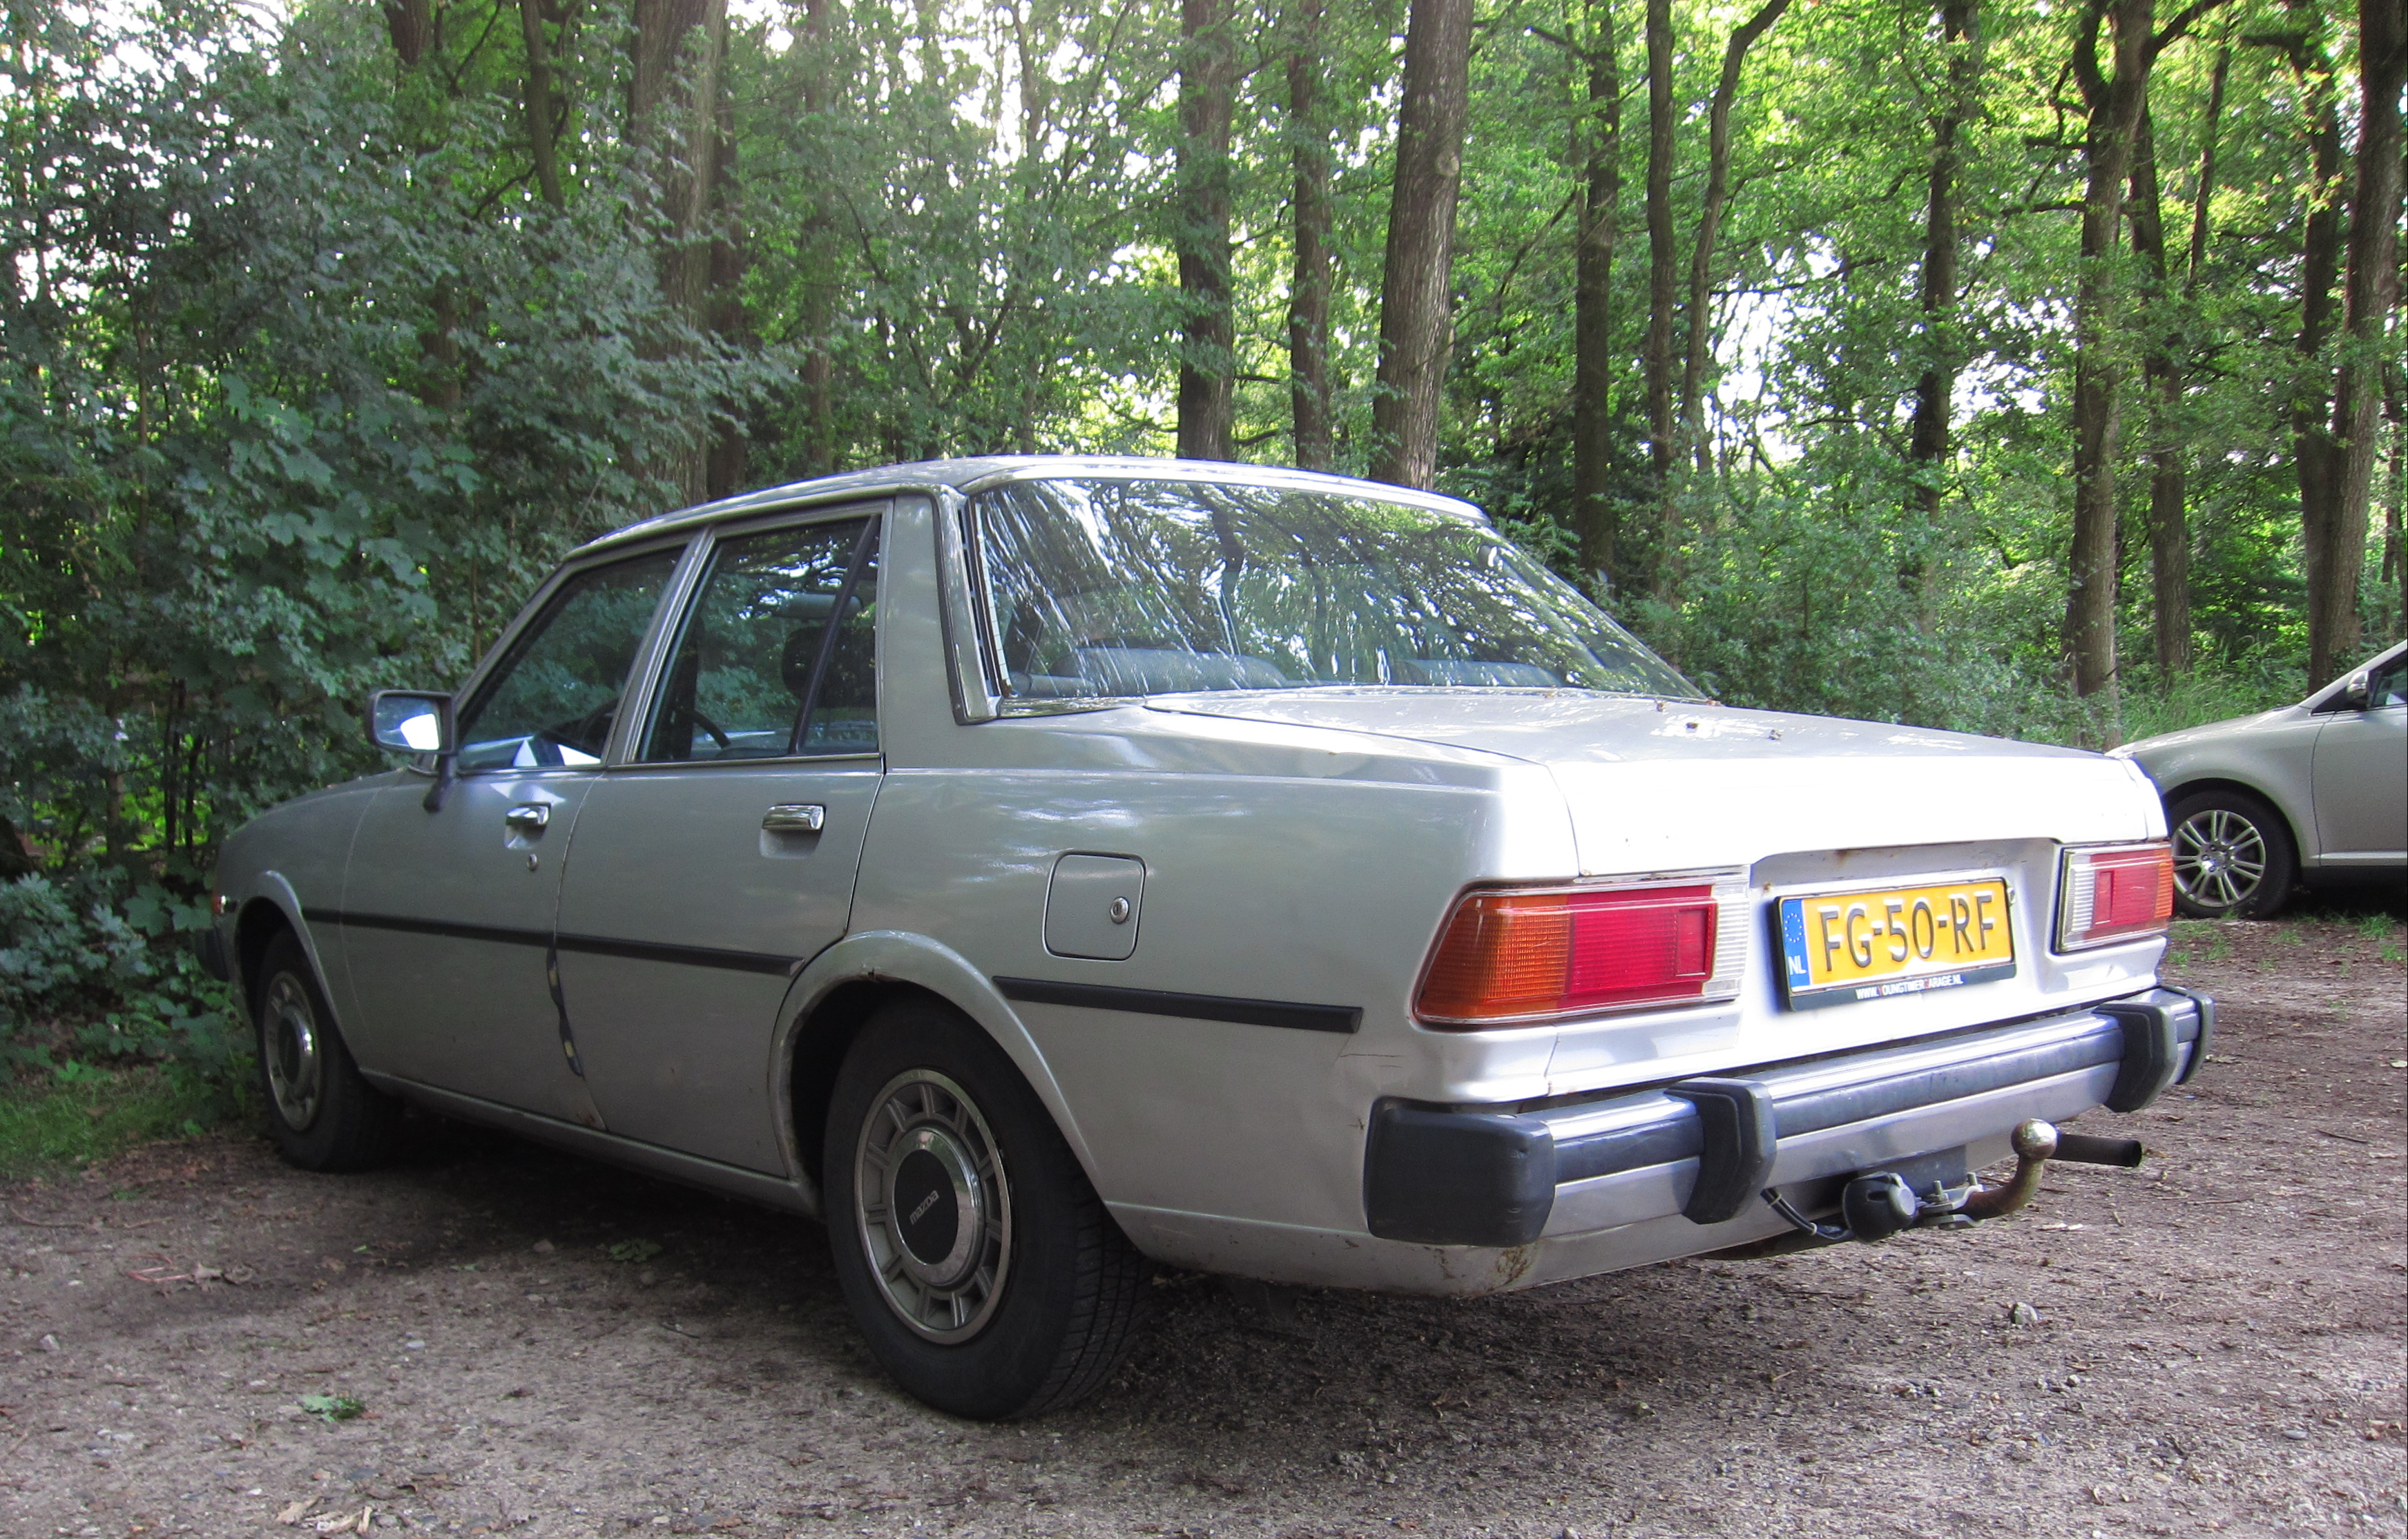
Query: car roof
{"points": [[967, 475]]}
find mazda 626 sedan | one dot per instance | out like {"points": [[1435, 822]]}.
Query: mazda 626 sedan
{"points": [[1034, 869]]}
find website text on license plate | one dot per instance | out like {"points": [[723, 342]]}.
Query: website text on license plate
{"points": [[1839, 947]]}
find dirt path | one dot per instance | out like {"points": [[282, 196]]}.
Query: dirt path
{"points": [[548, 1347]]}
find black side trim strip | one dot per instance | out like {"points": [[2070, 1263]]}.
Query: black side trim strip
{"points": [[684, 956], [495, 932], [1341, 1019], [600, 945]]}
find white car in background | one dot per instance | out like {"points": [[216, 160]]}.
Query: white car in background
{"points": [[2259, 802]]}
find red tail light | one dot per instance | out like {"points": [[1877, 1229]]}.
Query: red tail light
{"points": [[2114, 894], [1518, 957]]}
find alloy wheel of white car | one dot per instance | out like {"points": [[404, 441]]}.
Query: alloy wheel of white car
{"points": [[2233, 856]]}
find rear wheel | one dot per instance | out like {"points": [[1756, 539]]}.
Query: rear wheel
{"points": [[2233, 858], [321, 1113], [977, 1260]]}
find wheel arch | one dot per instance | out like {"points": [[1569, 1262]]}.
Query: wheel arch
{"points": [[832, 1002], [2257, 794], [271, 908]]}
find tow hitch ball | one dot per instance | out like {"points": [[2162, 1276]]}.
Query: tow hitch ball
{"points": [[1880, 1204]]}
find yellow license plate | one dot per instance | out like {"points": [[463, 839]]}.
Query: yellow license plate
{"points": [[1843, 946]]}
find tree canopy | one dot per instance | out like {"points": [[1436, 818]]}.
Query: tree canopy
{"points": [[2022, 367]]}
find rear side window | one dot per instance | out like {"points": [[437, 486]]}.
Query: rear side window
{"points": [[552, 702], [777, 655]]}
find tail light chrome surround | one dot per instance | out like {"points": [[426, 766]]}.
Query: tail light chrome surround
{"points": [[1525, 956]]}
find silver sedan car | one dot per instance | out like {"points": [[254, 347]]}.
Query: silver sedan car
{"points": [[2314, 790], [1040, 869]]}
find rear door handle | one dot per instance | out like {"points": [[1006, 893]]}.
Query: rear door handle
{"points": [[528, 817], [794, 817]]}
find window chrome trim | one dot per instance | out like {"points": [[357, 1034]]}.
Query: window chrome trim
{"points": [[971, 653], [1229, 474]]}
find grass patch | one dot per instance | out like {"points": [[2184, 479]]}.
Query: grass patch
{"points": [[76, 1113]]}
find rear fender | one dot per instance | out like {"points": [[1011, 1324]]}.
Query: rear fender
{"points": [[907, 961]]}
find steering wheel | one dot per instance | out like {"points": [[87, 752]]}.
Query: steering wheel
{"points": [[711, 727]]}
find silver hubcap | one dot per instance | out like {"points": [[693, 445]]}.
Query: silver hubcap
{"points": [[2219, 858], [935, 1210], [288, 1041]]}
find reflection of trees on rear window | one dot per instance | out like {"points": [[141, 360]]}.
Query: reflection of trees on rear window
{"points": [[555, 694], [1129, 587]]}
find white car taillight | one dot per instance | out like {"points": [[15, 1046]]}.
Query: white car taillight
{"points": [[1518, 956], [2115, 893]]}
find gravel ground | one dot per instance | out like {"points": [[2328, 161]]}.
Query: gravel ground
{"points": [[543, 1346]]}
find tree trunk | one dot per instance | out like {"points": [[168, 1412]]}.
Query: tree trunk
{"points": [[675, 82], [2395, 515], [2371, 293], [1656, 356], [724, 468], [1308, 296], [1596, 518], [2163, 366], [1699, 320], [2315, 459], [1935, 388], [818, 446], [2115, 105], [410, 24], [1208, 364], [543, 105], [1416, 288]]}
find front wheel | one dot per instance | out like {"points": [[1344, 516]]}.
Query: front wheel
{"points": [[321, 1113], [2233, 856], [976, 1258]]}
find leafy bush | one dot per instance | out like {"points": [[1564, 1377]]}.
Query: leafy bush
{"points": [[108, 977]]}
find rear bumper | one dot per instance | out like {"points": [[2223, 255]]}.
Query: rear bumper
{"points": [[1704, 1149]]}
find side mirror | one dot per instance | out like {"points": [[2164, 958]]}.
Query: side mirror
{"points": [[2351, 696], [410, 721]]}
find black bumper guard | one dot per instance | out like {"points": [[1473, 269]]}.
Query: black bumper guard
{"points": [[1473, 1176]]}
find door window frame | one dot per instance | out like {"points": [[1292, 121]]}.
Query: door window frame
{"points": [[681, 574], [685, 591]]}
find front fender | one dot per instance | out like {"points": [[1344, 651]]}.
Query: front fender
{"points": [[269, 890], [898, 956]]}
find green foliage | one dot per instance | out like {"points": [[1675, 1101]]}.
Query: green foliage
{"points": [[81, 1112], [304, 381], [331, 1409]]}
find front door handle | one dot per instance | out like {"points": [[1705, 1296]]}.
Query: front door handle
{"points": [[794, 817], [528, 817]]}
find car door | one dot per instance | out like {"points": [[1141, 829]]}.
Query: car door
{"points": [[720, 857], [449, 901], [2361, 772]]}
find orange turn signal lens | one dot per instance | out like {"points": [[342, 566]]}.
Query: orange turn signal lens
{"points": [[2115, 893], [1518, 957]]}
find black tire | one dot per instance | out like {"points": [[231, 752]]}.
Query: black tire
{"points": [[2233, 855], [1033, 1294], [321, 1113]]}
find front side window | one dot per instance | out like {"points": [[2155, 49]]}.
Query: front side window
{"points": [[1139, 587], [552, 702], [777, 655]]}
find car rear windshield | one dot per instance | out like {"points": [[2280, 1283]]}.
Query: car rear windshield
{"points": [[1107, 589]]}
